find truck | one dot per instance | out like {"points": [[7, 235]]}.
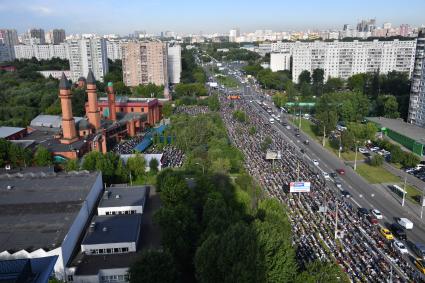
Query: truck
{"points": [[406, 223]]}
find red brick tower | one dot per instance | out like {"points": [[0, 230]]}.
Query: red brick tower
{"points": [[111, 102], [68, 123], [93, 111]]}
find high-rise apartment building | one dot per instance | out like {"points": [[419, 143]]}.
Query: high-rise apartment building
{"points": [[114, 48], [57, 36], [86, 54], [280, 61], [36, 36], [234, 34], [144, 62], [174, 63], [344, 59], [8, 39], [417, 91]]}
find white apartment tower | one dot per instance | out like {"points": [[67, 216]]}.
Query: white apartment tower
{"points": [[417, 91], [233, 35], [344, 59], [280, 61], [114, 48], [144, 62], [40, 52], [85, 54], [8, 39], [174, 63]]}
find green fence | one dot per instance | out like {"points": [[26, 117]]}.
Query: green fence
{"points": [[407, 142]]}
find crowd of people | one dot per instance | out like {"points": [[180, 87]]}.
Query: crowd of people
{"points": [[353, 242], [172, 156], [127, 146], [191, 109]]}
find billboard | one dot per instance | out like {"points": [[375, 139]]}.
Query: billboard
{"points": [[299, 187]]}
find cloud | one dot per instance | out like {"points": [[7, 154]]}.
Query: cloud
{"points": [[41, 10]]}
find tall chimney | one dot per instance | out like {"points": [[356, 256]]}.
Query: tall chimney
{"points": [[68, 123], [93, 111], [111, 102]]}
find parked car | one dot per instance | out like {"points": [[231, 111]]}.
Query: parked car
{"points": [[326, 176], [315, 162], [346, 194], [376, 213], [337, 182], [306, 142], [363, 150], [361, 211], [398, 231], [386, 233], [340, 171], [400, 247], [406, 223], [420, 264], [372, 219], [374, 149], [419, 250], [333, 175]]}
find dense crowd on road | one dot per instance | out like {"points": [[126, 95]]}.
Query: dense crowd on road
{"points": [[172, 156], [127, 146], [358, 248], [191, 109]]}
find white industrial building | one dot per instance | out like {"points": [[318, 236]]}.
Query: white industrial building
{"points": [[41, 52], [174, 63], [85, 54], [280, 61], [344, 59], [123, 200], [417, 91], [55, 73], [46, 214]]}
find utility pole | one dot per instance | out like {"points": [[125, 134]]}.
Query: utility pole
{"points": [[404, 190], [355, 159], [339, 149], [336, 220], [324, 134], [422, 204], [300, 118]]}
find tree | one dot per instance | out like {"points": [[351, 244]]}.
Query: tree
{"points": [[327, 121], [391, 107], [304, 77], [377, 160], [167, 109], [136, 165], [410, 160], [318, 77], [322, 272], [279, 99], [90, 160], [72, 165], [333, 84], [153, 165], [153, 266], [213, 103], [42, 156], [347, 140], [357, 82]]}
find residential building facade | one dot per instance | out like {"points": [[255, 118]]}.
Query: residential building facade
{"points": [[417, 91], [280, 61], [85, 54], [41, 52], [8, 39], [174, 63], [114, 48], [144, 62]]}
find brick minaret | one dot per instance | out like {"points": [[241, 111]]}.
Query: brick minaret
{"points": [[111, 102], [93, 111], [68, 123]]}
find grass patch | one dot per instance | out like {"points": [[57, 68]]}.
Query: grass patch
{"points": [[376, 175], [227, 81], [413, 194]]}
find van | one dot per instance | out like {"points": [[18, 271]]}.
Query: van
{"points": [[406, 223]]}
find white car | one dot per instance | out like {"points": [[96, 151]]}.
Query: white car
{"points": [[374, 149], [377, 214], [315, 162], [326, 176], [363, 150], [399, 246]]}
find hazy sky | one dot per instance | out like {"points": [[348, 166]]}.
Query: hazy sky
{"points": [[192, 16]]}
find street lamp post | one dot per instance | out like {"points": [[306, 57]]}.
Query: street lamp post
{"points": [[404, 190], [340, 147], [324, 134], [355, 159], [422, 202]]}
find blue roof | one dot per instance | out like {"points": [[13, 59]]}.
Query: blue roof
{"points": [[147, 140]]}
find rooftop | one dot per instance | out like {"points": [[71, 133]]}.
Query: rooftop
{"points": [[109, 229], [124, 196], [409, 130], [38, 209], [50, 121], [8, 131]]}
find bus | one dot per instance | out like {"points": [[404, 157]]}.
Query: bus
{"points": [[398, 190]]}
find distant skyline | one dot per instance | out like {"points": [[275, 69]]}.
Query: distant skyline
{"points": [[192, 16]]}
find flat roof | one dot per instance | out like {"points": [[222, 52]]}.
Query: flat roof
{"points": [[113, 229], [39, 209], [123, 196], [8, 131], [409, 130]]}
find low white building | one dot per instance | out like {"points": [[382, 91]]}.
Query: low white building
{"points": [[280, 61], [123, 200], [42, 52]]}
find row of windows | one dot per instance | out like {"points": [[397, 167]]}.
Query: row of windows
{"points": [[122, 109], [114, 278], [107, 251], [120, 212]]}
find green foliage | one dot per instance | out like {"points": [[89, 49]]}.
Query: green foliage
{"points": [[136, 165], [266, 143], [114, 75], [153, 266], [318, 78], [191, 72], [410, 160], [213, 103], [190, 89], [240, 116], [112, 167], [72, 165], [153, 165], [407, 159], [333, 85], [42, 157], [167, 109], [304, 77], [149, 90], [387, 106], [252, 130], [14, 155], [322, 272], [377, 160], [252, 70], [279, 99], [273, 80]]}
